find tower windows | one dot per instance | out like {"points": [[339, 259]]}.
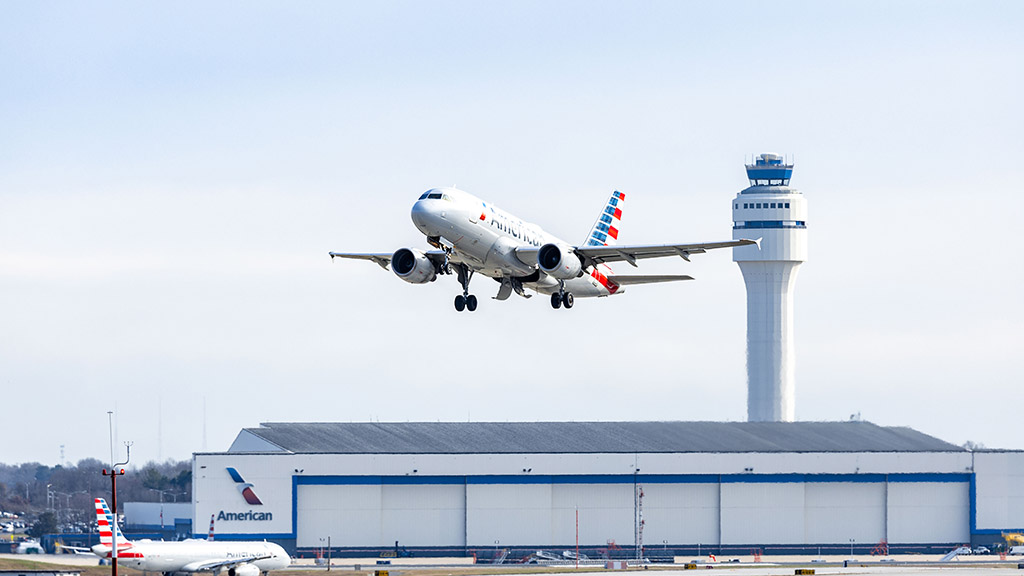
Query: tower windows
{"points": [[759, 205]]}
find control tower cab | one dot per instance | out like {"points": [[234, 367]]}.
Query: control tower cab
{"points": [[769, 209]]}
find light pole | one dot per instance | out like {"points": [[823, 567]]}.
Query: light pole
{"points": [[115, 471], [174, 495], [851, 547]]}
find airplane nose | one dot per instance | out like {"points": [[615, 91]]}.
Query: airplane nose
{"points": [[425, 218]]}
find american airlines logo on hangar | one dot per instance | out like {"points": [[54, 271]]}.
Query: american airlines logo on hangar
{"points": [[245, 489]]}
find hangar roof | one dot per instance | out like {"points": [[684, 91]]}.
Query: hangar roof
{"points": [[582, 437]]}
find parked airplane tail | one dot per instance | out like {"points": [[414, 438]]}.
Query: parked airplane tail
{"points": [[106, 522], [605, 231]]}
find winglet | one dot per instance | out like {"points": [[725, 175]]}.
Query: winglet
{"points": [[332, 255], [758, 242]]}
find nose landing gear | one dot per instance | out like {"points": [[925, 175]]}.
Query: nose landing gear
{"points": [[464, 301]]}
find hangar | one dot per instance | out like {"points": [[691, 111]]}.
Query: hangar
{"points": [[729, 487]]}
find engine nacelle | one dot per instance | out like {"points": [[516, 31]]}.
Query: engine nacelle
{"points": [[559, 261], [413, 266], [244, 570]]}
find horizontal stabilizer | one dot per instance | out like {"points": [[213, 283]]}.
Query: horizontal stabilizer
{"points": [[626, 280]]}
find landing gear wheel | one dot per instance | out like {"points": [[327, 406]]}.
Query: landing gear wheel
{"points": [[460, 302], [471, 303], [568, 300], [556, 300]]}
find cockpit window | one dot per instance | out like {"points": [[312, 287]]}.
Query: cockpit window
{"points": [[424, 195], [434, 196], [446, 197]]}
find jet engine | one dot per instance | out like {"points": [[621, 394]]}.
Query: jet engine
{"points": [[245, 570], [413, 266], [559, 261]]}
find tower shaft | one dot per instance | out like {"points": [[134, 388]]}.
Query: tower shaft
{"points": [[771, 357]]}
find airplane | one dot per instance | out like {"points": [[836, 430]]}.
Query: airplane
{"points": [[472, 236], [231, 558]]}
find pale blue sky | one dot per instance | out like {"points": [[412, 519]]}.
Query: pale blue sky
{"points": [[173, 175]]}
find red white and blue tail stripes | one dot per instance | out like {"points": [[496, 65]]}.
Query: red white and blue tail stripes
{"points": [[107, 525], [606, 229]]}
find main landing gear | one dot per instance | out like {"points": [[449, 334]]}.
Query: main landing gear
{"points": [[464, 301], [562, 298]]}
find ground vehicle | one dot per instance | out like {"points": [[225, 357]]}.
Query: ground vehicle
{"points": [[1017, 550], [980, 550], [29, 547]]}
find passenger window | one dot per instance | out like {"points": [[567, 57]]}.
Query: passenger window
{"points": [[787, 204], [773, 204]]}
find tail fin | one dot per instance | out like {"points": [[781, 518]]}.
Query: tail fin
{"points": [[106, 522], [606, 229], [210, 536]]}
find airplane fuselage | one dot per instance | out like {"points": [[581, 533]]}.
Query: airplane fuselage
{"points": [[159, 556], [485, 238]]}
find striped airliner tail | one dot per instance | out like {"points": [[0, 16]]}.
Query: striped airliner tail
{"points": [[105, 521], [605, 231]]}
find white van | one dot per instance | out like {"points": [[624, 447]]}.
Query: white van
{"points": [[1017, 550]]}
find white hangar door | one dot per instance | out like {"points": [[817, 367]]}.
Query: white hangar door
{"points": [[545, 514], [836, 512], [680, 514], [377, 515], [929, 512]]}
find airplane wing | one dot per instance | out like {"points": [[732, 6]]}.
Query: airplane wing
{"points": [[380, 259], [221, 563], [624, 280], [74, 549], [593, 255]]}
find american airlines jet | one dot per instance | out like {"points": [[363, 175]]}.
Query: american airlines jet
{"points": [[230, 558], [470, 236]]}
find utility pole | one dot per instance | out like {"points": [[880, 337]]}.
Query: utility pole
{"points": [[115, 471]]}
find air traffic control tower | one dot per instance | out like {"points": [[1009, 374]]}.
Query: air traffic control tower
{"points": [[769, 209]]}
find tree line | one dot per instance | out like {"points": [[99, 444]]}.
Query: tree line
{"points": [[62, 495]]}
